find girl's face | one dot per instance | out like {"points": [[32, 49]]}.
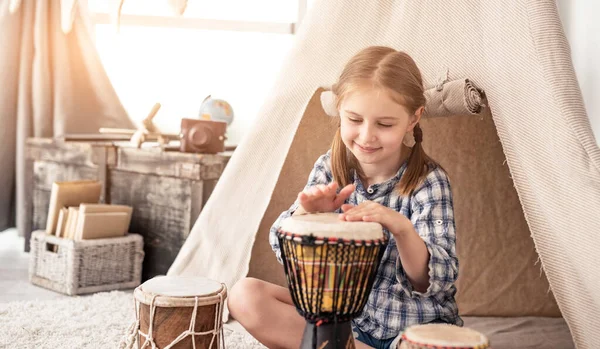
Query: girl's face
{"points": [[373, 126]]}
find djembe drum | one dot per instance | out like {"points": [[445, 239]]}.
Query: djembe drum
{"points": [[330, 267], [179, 312], [442, 336]]}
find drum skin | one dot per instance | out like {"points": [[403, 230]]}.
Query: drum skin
{"points": [[442, 336]]}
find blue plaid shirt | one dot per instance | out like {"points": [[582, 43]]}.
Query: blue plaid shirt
{"points": [[393, 305]]}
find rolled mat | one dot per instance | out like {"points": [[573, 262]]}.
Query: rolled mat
{"points": [[456, 97]]}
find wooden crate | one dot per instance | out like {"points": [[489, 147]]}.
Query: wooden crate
{"points": [[167, 189]]}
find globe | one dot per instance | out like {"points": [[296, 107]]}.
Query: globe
{"points": [[216, 110]]}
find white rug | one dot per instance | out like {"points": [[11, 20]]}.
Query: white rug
{"points": [[97, 321]]}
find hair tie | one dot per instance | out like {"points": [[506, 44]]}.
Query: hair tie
{"points": [[418, 134]]}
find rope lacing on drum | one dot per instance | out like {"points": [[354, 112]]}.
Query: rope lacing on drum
{"points": [[130, 338], [149, 337]]}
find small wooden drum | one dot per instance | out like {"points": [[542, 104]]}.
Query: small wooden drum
{"points": [[180, 312], [330, 267], [442, 336]]}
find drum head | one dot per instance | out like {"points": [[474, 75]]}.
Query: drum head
{"points": [[328, 225], [445, 336], [179, 286]]}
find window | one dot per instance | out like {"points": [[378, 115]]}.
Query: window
{"points": [[230, 49]]}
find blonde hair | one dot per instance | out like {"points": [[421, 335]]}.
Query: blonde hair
{"points": [[396, 72]]}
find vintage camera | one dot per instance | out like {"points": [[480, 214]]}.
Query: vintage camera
{"points": [[202, 136]]}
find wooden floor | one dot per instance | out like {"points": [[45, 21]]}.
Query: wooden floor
{"points": [[14, 280]]}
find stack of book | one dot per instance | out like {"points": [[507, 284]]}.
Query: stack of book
{"points": [[75, 213]]}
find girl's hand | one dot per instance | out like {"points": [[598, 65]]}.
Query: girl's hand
{"points": [[369, 211], [323, 198]]}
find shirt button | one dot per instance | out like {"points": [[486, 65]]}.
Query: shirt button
{"points": [[370, 190]]}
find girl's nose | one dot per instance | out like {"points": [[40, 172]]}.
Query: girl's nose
{"points": [[367, 133]]}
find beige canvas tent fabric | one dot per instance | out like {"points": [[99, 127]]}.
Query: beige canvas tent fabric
{"points": [[517, 53], [53, 83]]}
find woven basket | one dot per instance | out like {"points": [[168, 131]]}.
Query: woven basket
{"points": [[85, 266]]}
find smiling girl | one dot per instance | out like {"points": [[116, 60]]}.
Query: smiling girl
{"points": [[369, 174]]}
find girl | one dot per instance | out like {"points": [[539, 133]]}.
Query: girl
{"points": [[380, 99]]}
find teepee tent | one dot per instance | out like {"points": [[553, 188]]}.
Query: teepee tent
{"points": [[525, 172]]}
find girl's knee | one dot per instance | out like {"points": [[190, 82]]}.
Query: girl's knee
{"points": [[245, 298], [247, 287]]}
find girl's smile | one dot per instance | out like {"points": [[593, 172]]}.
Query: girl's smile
{"points": [[367, 149]]}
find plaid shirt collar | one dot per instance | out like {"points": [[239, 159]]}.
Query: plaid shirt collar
{"points": [[379, 189]]}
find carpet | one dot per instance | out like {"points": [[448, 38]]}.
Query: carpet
{"points": [[96, 321]]}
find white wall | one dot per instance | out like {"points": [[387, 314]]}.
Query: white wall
{"points": [[581, 23]]}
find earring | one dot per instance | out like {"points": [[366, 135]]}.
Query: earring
{"points": [[409, 139]]}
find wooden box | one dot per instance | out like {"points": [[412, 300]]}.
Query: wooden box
{"points": [[167, 189]]}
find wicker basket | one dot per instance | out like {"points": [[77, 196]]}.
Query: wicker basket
{"points": [[86, 266]]}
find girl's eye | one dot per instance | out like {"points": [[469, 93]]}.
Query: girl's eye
{"points": [[385, 125], [354, 120]]}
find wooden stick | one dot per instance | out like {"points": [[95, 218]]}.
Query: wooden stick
{"points": [[93, 137], [147, 122], [128, 132], [118, 131]]}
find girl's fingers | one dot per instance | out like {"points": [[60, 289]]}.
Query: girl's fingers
{"points": [[352, 210], [358, 213], [303, 198], [344, 194], [347, 190], [347, 207], [373, 217], [332, 187], [353, 218], [307, 195], [353, 214], [319, 190]]}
